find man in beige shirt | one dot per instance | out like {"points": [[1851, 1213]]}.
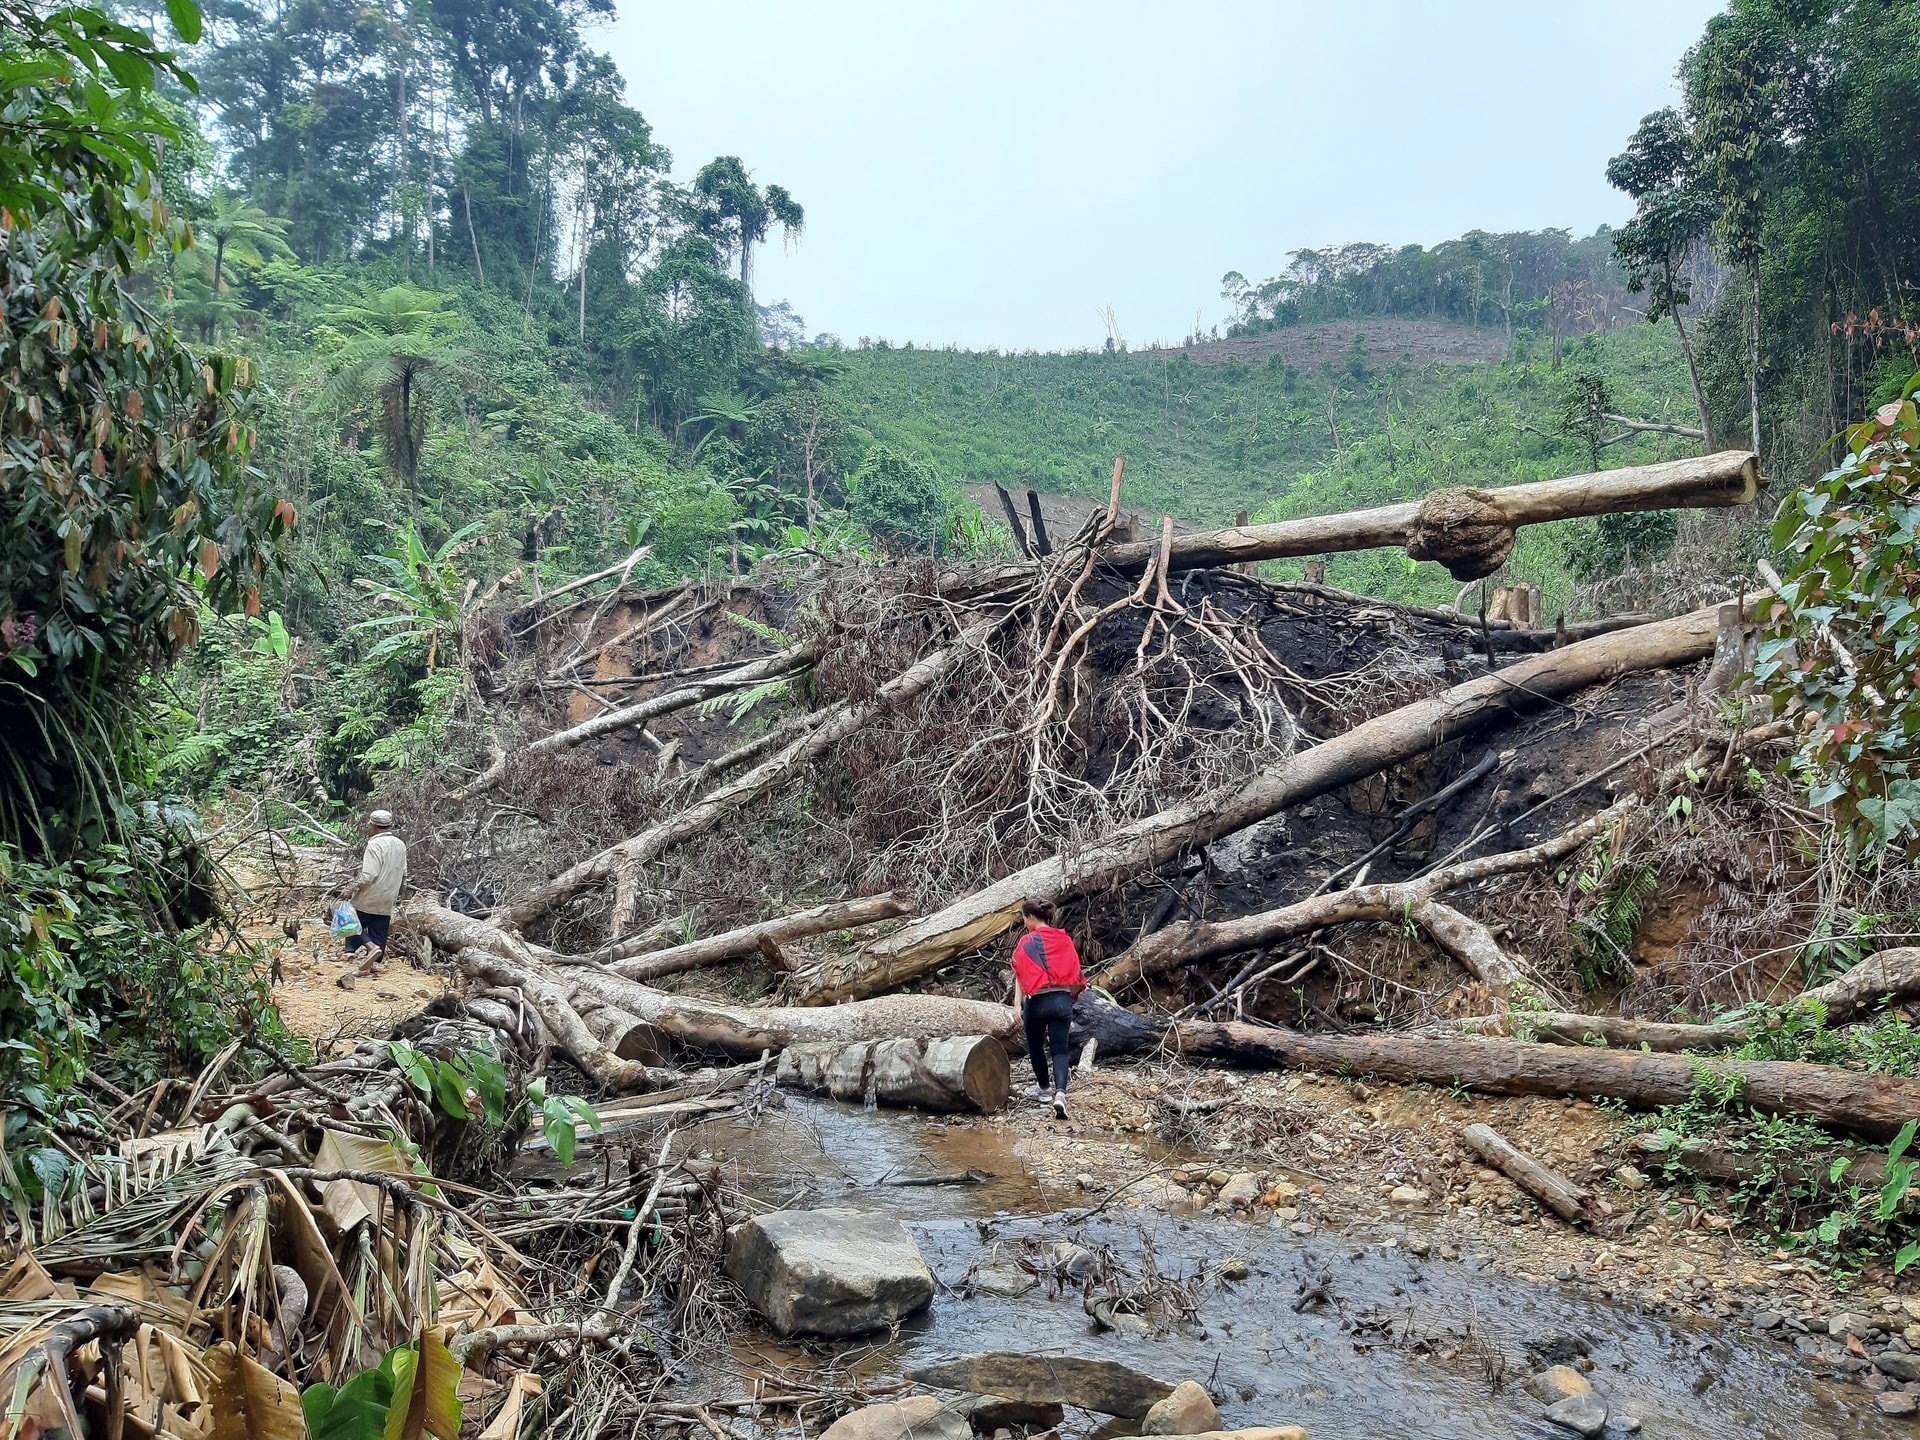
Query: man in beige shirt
{"points": [[383, 870]]}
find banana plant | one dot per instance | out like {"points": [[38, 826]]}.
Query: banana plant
{"points": [[428, 600]]}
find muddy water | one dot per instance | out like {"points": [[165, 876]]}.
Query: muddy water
{"points": [[1349, 1369]]}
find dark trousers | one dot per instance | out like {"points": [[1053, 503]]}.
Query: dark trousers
{"points": [[1049, 1018], [373, 931]]}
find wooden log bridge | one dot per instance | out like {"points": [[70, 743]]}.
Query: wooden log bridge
{"points": [[1470, 531]]}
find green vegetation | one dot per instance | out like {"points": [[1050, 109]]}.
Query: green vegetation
{"points": [[1206, 440], [1844, 654]]}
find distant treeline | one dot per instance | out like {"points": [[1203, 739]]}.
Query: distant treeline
{"points": [[1542, 280]]}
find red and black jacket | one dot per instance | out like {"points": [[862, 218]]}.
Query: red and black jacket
{"points": [[1045, 959]]}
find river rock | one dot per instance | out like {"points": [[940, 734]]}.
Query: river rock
{"points": [[918, 1417], [1234, 1268], [829, 1272], [1900, 1367], [1124, 1323], [988, 1413], [1159, 1193], [1897, 1402], [1240, 1191], [1076, 1260], [1189, 1410], [1101, 1385], [1256, 1432], [1848, 1322], [1586, 1413], [1405, 1196], [1561, 1382], [1006, 1279]]}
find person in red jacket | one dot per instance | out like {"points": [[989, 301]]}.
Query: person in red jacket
{"points": [[1046, 977]]}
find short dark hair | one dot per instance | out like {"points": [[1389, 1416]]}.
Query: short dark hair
{"points": [[1041, 910]]}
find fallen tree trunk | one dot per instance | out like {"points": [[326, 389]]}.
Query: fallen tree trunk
{"points": [[841, 721], [1886, 977], [1504, 633], [569, 1031], [1470, 531], [748, 939], [498, 957], [962, 1072], [1465, 939], [1569, 1201], [1873, 1106], [1368, 748]]}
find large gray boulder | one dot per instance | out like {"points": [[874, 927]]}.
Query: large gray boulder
{"points": [[828, 1272]]}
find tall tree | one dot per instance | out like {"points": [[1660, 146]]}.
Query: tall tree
{"points": [[1672, 213], [737, 213], [1736, 93]]}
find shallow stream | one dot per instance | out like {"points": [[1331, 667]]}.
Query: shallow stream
{"points": [[1351, 1368]]}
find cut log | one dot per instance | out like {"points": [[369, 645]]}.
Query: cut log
{"points": [[840, 721], [1806, 1173], [1872, 1106], [1571, 1202], [548, 994], [732, 944], [1368, 748], [627, 1036], [965, 1072], [1469, 531]]}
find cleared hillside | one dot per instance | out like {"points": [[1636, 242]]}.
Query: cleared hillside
{"points": [[1206, 433]]}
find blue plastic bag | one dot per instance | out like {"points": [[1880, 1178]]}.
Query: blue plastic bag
{"points": [[346, 921]]}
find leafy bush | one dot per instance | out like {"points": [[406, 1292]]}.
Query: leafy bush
{"points": [[902, 500], [1843, 652]]}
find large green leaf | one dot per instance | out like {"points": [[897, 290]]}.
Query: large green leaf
{"points": [[355, 1411], [425, 1380]]}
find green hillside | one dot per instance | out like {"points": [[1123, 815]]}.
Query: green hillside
{"points": [[1333, 417]]}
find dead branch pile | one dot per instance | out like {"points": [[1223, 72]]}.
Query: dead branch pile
{"points": [[368, 1234], [1256, 801]]}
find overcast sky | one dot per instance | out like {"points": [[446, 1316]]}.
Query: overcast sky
{"points": [[995, 173]]}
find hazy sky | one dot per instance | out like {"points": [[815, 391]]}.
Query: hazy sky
{"points": [[996, 173]]}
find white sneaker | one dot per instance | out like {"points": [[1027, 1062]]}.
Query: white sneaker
{"points": [[1037, 1092], [1060, 1104]]}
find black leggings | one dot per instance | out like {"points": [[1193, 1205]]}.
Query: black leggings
{"points": [[1049, 1017]]}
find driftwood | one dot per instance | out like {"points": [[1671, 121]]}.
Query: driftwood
{"points": [[1569, 1201], [1872, 1106], [623, 861], [1471, 532], [1368, 748], [749, 939], [963, 1072]]}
